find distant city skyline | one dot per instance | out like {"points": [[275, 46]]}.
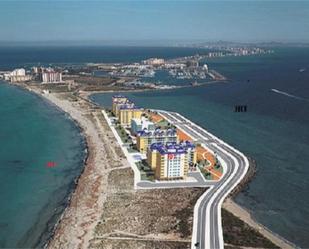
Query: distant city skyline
{"points": [[153, 22]]}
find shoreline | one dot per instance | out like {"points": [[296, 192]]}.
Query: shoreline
{"points": [[87, 94], [76, 181], [230, 203], [65, 202], [61, 225], [247, 216], [59, 238], [68, 199]]}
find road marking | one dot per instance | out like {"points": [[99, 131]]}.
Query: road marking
{"points": [[216, 142]]}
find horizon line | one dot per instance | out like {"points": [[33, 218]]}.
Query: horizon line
{"points": [[147, 42]]}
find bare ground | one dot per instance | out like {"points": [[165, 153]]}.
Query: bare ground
{"points": [[144, 218], [106, 212]]}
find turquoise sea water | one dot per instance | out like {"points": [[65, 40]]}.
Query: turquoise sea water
{"points": [[274, 131], [33, 133]]}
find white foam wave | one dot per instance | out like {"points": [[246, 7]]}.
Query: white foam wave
{"points": [[288, 95]]}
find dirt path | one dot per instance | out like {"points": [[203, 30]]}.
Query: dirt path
{"points": [[80, 218]]}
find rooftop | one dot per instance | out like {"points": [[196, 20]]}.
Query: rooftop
{"points": [[142, 121], [157, 133], [172, 147], [130, 106], [119, 96]]}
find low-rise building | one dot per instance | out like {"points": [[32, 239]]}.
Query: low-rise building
{"points": [[172, 160], [145, 138], [141, 124]]}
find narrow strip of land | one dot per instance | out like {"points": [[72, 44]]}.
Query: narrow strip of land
{"points": [[93, 191]]}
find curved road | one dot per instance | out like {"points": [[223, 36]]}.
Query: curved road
{"points": [[207, 227]]}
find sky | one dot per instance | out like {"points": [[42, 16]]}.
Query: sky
{"points": [[89, 20]]}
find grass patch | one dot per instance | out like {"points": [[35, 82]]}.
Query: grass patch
{"points": [[125, 138], [219, 168], [131, 150], [163, 124], [207, 175], [145, 170], [109, 113]]}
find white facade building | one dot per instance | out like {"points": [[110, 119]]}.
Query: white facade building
{"points": [[18, 72], [154, 61], [205, 67], [17, 75], [141, 124], [50, 76]]}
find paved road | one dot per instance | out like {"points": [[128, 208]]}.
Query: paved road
{"points": [[207, 230]]}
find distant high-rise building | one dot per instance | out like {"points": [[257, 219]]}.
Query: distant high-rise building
{"points": [[18, 72], [18, 75], [35, 70], [51, 76], [154, 61]]}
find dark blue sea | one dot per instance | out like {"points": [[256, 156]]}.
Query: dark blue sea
{"points": [[12, 57], [274, 131]]}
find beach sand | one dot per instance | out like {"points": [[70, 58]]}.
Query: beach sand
{"points": [[80, 218], [78, 221], [245, 216]]}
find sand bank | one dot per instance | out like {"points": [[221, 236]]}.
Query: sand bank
{"points": [[82, 215], [78, 221]]}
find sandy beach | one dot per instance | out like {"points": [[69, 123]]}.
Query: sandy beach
{"points": [[245, 216], [79, 219], [77, 224]]}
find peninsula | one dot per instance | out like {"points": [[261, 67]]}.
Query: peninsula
{"points": [[154, 124], [126, 195], [110, 208]]}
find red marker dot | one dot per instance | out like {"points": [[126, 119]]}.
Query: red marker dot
{"points": [[51, 164]]}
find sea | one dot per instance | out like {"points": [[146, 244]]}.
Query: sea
{"points": [[41, 155], [274, 132]]}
